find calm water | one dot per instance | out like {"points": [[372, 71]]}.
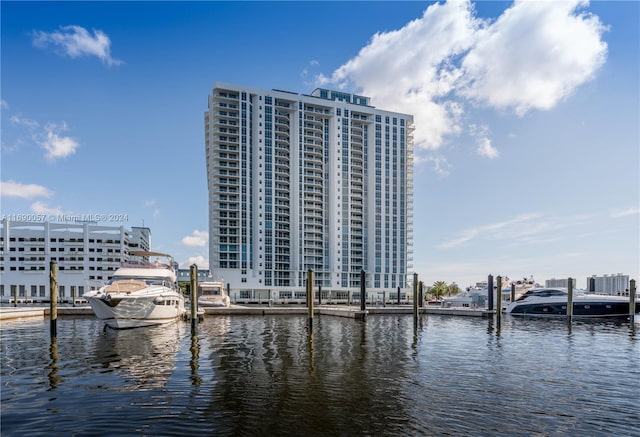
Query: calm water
{"points": [[264, 376]]}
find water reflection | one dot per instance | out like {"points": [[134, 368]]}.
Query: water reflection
{"points": [[144, 357], [195, 354], [310, 350], [53, 367]]}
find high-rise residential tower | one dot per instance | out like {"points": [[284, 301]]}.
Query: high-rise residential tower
{"points": [[298, 182]]}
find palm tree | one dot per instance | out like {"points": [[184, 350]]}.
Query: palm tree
{"points": [[453, 289], [439, 289]]}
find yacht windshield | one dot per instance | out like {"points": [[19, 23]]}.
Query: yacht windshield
{"points": [[147, 280], [544, 292]]}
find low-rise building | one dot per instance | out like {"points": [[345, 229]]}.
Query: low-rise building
{"points": [[86, 254]]}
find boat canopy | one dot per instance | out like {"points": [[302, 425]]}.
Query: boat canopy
{"points": [[147, 253]]}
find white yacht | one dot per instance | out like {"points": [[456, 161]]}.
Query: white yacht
{"points": [[472, 297], [477, 296], [548, 302], [140, 293], [213, 294]]}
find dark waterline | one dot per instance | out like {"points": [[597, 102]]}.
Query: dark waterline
{"points": [[249, 375]]}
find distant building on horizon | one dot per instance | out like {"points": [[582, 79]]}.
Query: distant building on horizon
{"points": [[86, 253], [297, 182], [616, 284], [560, 283]]}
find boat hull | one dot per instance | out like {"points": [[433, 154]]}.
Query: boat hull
{"points": [[136, 311], [584, 308], [216, 302]]}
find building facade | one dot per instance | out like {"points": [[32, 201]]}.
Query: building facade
{"points": [[297, 182], [616, 284], [562, 283], [86, 255]]}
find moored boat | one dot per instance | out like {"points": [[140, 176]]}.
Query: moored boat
{"points": [[549, 302], [140, 293], [213, 294], [477, 296]]}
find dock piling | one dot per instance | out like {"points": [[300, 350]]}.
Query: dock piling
{"points": [[632, 301], [53, 297], [363, 291], [193, 271], [415, 297], [569, 299], [499, 298], [362, 314], [490, 293], [310, 297]]}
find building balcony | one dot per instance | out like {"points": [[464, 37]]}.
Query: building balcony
{"points": [[226, 130], [227, 115], [227, 103], [224, 122], [281, 118], [227, 96], [226, 139], [313, 120], [283, 104]]}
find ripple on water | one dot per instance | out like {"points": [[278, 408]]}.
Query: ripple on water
{"points": [[266, 376]]}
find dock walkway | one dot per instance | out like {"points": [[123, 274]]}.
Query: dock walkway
{"points": [[12, 313]]}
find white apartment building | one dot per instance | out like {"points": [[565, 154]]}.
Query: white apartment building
{"points": [[86, 254], [561, 283], [297, 182], [616, 284]]}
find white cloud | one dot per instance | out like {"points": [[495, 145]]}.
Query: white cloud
{"points": [[4, 104], [524, 228], [485, 147], [624, 212], [56, 145], [200, 261], [521, 226], [439, 163], [532, 56], [196, 239], [42, 208], [19, 120], [465, 236], [412, 70], [76, 41], [25, 191], [49, 137], [152, 204]]}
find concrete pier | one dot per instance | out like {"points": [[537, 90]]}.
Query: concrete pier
{"points": [[11, 313]]}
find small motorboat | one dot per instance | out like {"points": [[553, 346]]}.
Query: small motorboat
{"points": [[212, 294]]}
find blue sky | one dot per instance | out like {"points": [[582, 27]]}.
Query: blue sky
{"points": [[527, 117]]}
